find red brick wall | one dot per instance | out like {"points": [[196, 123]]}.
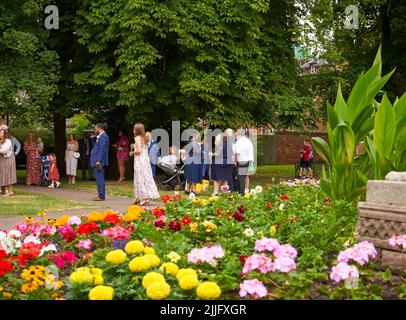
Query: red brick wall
{"points": [[289, 144]]}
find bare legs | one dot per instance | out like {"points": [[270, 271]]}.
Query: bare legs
{"points": [[7, 191], [121, 169]]}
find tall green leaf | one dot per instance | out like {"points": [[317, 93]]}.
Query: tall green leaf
{"points": [[385, 128]]}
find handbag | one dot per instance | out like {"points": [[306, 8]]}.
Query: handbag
{"points": [[76, 155]]}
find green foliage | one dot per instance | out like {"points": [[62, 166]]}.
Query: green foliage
{"points": [[356, 121], [79, 123]]}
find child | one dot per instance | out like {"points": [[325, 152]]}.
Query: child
{"points": [[53, 173], [302, 165], [40, 145]]}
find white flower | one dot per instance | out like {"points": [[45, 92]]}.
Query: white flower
{"points": [[14, 234], [192, 196], [249, 232], [32, 239], [3, 235], [50, 247], [258, 189], [253, 192], [282, 206]]}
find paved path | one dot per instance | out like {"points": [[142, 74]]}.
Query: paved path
{"points": [[117, 203]]}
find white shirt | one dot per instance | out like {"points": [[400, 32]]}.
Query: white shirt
{"points": [[6, 148], [245, 149]]}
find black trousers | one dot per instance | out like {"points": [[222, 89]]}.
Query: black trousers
{"points": [[86, 165], [242, 172]]}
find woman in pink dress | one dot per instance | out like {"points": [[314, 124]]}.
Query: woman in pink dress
{"points": [[32, 150], [122, 153], [144, 184]]}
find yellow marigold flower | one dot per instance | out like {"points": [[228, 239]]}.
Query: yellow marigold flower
{"points": [[174, 256], [151, 278], [158, 291], [134, 247], [41, 214], [95, 216], [29, 219], [130, 217], [272, 230], [247, 196], [149, 250], [101, 293], [62, 221], [193, 226], [208, 290], [7, 295], [96, 271], [81, 277], [170, 268], [209, 225], [154, 259], [185, 272], [188, 282], [116, 256], [134, 209], [109, 212], [139, 264], [213, 198]]}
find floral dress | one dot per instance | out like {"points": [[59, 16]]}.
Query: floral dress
{"points": [[122, 148], [33, 164], [144, 184]]}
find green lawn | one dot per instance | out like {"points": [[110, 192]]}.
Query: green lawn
{"points": [[25, 203]]}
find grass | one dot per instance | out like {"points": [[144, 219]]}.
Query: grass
{"points": [[25, 203]]}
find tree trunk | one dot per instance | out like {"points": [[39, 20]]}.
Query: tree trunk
{"points": [[60, 142]]}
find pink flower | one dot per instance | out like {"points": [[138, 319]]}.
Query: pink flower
{"points": [[343, 271], [253, 287], [285, 250], [266, 244], [205, 254], [69, 257], [360, 253], [75, 220], [285, 264], [398, 241], [85, 244], [116, 233], [259, 262]]}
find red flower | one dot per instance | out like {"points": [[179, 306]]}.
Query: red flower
{"points": [[294, 219], [68, 235], [159, 224], [5, 266], [177, 197], [238, 216], [243, 259], [241, 209], [268, 205], [276, 226], [112, 218], [219, 212], [3, 254], [175, 225], [28, 251], [130, 228], [283, 197], [166, 198], [158, 212], [88, 227], [186, 220]]}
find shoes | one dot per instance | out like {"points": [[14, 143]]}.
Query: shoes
{"points": [[8, 194], [51, 186], [57, 184], [98, 199]]}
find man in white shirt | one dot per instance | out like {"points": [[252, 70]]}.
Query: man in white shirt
{"points": [[244, 154]]}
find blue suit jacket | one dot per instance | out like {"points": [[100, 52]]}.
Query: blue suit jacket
{"points": [[100, 151]]}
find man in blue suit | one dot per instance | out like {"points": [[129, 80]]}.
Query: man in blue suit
{"points": [[99, 159]]}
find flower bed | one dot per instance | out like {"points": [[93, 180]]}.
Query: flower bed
{"points": [[283, 242]]}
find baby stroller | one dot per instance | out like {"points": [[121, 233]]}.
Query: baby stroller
{"points": [[45, 163], [174, 178]]}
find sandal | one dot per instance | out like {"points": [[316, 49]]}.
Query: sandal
{"points": [[136, 202], [144, 203]]}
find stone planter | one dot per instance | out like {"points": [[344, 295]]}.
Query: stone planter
{"points": [[382, 216]]}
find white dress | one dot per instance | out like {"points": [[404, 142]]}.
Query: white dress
{"points": [[144, 184], [71, 161]]}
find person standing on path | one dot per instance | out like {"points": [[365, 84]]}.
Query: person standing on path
{"points": [[71, 158], [85, 148], [144, 184], [121, 147], [244, 154], [33, 162], [99, 159], [8, 175], [153, 152]]}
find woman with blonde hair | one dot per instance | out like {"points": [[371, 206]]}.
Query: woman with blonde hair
{"points": [[144, 184], [8, 175]]}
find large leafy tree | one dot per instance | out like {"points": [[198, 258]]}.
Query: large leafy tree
{"points": [[28, 69], [228, 62]]}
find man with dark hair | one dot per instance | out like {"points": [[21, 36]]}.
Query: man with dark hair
{"points": [[99, 159]]}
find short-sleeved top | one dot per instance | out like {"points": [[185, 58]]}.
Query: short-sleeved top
{"points": [[245, 149]]}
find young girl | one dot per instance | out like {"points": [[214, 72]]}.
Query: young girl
{"points": [[53, 173], [40, 145]]}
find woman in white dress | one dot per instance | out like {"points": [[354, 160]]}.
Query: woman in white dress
{"points": [[8, 175], [144, 184], [72, 147]]}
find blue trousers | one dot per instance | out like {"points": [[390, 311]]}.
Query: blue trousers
{"points": [[101, 184], [153, 169]]}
